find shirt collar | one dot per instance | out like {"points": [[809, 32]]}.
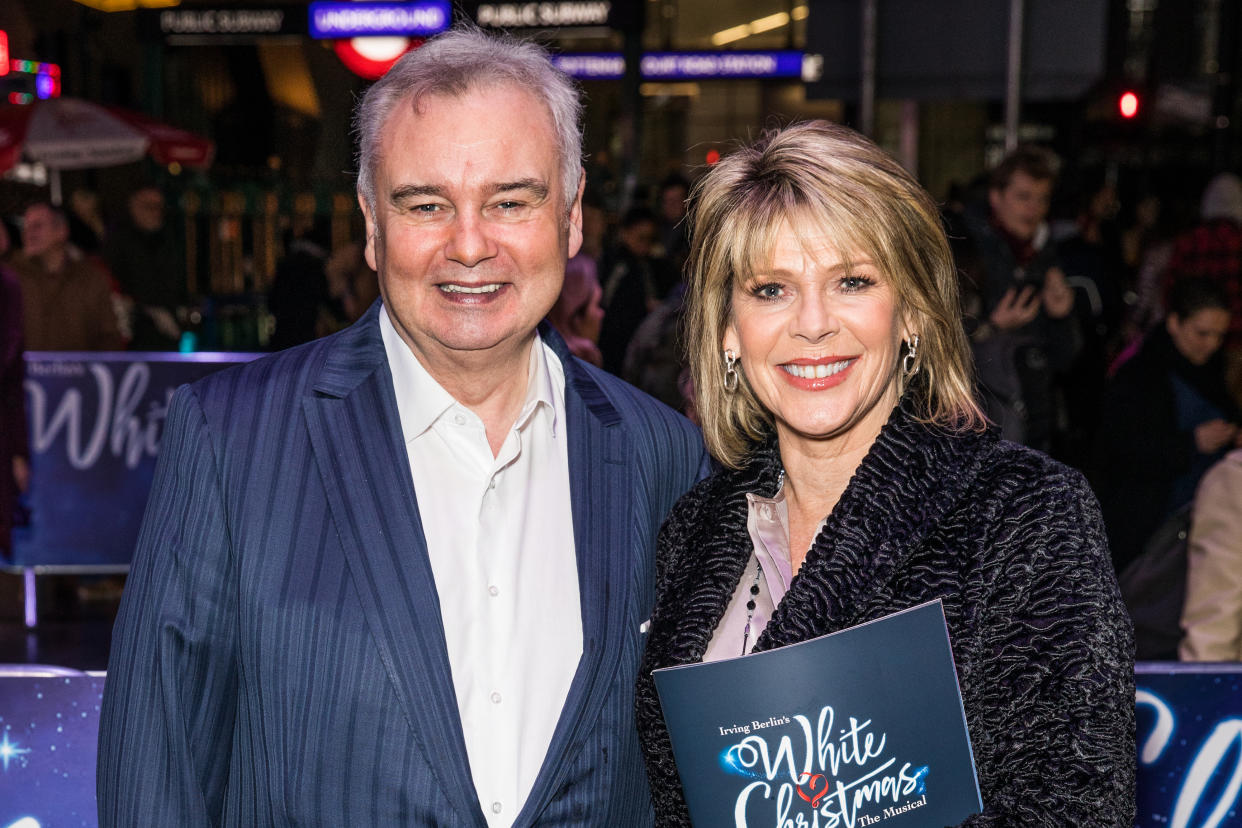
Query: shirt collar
{"points": [[421, 400]]}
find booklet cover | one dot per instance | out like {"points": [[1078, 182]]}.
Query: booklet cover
{"points": [[858, 728]]}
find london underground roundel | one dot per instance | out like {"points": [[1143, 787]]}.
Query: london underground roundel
{"points": [[371, 57]]}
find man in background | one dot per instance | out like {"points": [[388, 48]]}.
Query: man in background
{"points": [[67, 299], [1024, 333], [146, 262]]}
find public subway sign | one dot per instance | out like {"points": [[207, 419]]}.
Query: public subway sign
{"points": [[547, 15], [95, 421], [215, 24], [685, 66], [337, 20]]}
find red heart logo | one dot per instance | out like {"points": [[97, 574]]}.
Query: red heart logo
{"points": [[813, 797]]}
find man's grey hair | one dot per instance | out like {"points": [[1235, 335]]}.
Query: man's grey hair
{"points": [[461, 60]]}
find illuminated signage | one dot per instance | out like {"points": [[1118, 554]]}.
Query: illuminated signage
{"points": [[371, 57], [215, 25], [30, 80], [681, 66], [222, 21], [4, 52], [591, 66], [543, 15], [346, 20], [705, 65]]}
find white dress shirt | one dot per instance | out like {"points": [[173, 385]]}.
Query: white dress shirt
{"points": [[499, 533]]}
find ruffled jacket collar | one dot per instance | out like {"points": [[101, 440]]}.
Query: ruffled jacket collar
{"points": [[912, 476]]}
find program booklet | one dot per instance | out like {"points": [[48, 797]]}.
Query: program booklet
{"points": [[858, 728]]}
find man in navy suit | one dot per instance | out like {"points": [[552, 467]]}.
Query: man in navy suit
{"points": [[399, 576]]}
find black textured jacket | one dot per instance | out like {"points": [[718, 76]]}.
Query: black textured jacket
{"points": [[1010, 540]]}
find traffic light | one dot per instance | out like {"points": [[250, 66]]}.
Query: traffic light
{"points": [[1128, 104]]}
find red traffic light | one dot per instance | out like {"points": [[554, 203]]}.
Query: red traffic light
{"points": [[1128, 104]]}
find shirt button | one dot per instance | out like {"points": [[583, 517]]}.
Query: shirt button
{"points": [[495, 698], [493, 590], [495, 807], [460, 419], [491, 484]]}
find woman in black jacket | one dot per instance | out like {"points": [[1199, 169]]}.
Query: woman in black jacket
{"points": [[834, 388], [1166, 417]]}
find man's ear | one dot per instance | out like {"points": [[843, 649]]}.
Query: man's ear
{"points": [[575, 217], [369, 249]]}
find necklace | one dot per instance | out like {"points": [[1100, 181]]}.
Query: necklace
{"points": [[754, 587], [750, 604]]}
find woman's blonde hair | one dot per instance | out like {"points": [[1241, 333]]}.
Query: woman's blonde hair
{"points": [[826, 177]]}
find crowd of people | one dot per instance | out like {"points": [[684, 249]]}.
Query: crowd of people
{"points": [[1114, 348]]}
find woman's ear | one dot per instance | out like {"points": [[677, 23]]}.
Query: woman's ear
{"points": [[910, 326], [730, 341]]}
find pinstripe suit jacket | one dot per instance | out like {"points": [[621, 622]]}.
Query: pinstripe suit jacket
{"points": [[279, 656]]}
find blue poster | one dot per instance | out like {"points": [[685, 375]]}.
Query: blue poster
{"points": [[858, 728], [1189, 730], [49, 727], [95, 422]]}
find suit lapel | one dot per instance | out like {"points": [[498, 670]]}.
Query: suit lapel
{"points": [[355, 433], [600, 493]]}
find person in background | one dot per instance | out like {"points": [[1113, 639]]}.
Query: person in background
{"points": [[1025, 333], [351, 281], [146, 262], [1212, 614], [397, 576], [655, 360], [300, 299], [1090, 257], [87, 228], [66, 299], [594, 225], [1213, 250], [14, 449], [1165, 418], [632, 285], [577, 314], [1146, 247], [834, 385], [673, 242]]}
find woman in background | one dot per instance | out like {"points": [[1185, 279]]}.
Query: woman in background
{"points": [[577, 315], [1166, 417], [835, 388]]}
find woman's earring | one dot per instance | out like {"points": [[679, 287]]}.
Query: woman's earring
{"points": [[730, 380], [909, 362]]}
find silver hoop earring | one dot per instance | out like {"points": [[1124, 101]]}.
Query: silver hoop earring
{"points": [[731, 379], [909, 362]]}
